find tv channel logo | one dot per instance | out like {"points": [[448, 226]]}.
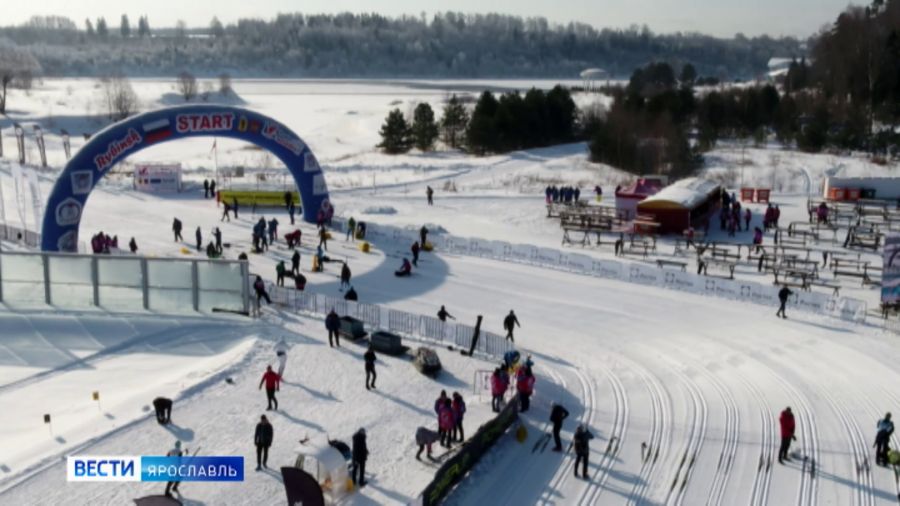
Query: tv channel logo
{"points": [[154, 468]]}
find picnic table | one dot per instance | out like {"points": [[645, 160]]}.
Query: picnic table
{"points": [[719, 264], [674, 263]]}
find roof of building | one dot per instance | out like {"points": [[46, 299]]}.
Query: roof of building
{"points": [[686, 193]]}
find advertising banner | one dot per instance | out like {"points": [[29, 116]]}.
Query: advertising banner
{"points": [[890, 279], [157, 178]]}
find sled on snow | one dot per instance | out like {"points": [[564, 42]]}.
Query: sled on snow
{"points": [[427, 361]]}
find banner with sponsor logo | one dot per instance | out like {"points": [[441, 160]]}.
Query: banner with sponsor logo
{"points": [[890, 278], [157, 178], [121, 140]]}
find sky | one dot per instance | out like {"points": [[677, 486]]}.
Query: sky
{"points": [[722, 18]]}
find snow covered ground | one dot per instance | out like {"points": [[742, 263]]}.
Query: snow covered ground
{"points": [[698, 380]]}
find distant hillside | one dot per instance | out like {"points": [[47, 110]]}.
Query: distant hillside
{"points": [[349, 45]]}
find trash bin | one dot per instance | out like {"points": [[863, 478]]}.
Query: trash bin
{"points": [[352, 328], [388, 343]]}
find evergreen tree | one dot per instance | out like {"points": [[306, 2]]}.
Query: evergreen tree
{"points": [[424, 128], [688, 75], [395, 134], [89, 27], [216, 28], [454, 122], [143, 27], [102, 30], [481, 135], [125, 27]]}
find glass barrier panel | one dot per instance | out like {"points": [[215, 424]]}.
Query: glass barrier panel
{"points": [[219, 276], [171, 300], [66, 269], [122, 298], [28, 267], [113, 271], [169, 274]]}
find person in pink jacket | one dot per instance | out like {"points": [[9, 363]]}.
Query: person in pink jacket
{"points": [[446, 422], [525, 387], [498, 389]]}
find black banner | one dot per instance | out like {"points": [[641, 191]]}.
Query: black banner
{"points": [[301, 488], [456, 468]]}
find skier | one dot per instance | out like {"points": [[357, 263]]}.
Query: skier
{"points": [[557, 415], [459, 410], [199, 236], [747, 217], [226, 208], [333, 324], [206, 188], [787, 434], [580, 441], [295, 264], [260, 287], [212, 188], [415, 253], [176, 227], [619, 246], [272, 381], [262, 438], [351, 229], [163, 409], [405, 269], [425, 438], [360, 455], [281, 348], [234, 207], [599, 193], [369, 358], [509, 323], [273, 230], [757, 238], [882, 438], [430, 194], [577, 193], [132, 245], [291, 210], [172, 486], [443, 315], [345, 275], [498, 390], [351, 295], [288, 200], [423, 235], [783, 295], [218, 235], [280, 269], [777, 215], [525, 387], [323, 238], [446, 422], [320, 259]]}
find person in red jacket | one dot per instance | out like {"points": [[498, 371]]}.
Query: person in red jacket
{"points": [[272, 381], [498, 389], [787, 434], [446, 422], [525, 386]]}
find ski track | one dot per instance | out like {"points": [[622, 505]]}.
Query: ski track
{"points": [[617, 435], [809, 434], [864, 489], [660, 436], [895, 439], [760, 493], [699, 418]]}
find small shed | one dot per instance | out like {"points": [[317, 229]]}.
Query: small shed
{"points": [[628, 197], [682, 204]]}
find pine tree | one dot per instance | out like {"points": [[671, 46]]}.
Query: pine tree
{"points": [[688, 75], [454, 122], [143, 27], [395, 134], [102, 31], [481, 135], [125, 27], [424, 128], [216, 28], [89, 27]]}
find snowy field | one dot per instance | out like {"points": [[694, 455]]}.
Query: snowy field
{"points": [[697, 381]]}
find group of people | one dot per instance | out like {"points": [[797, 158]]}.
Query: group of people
{"points": [[264, 234], [209, 188], [450, 413], [103, 244], [730, 214], [884, 429], [771, 216], [563, 194], [355, 230]]}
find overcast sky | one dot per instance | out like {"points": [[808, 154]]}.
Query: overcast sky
{"points": [[717, 17]]}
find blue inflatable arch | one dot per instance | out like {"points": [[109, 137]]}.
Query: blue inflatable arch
{"points": [[125, 138]]}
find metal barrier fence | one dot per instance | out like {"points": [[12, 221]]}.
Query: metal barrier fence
{"points": [[844, 308], [416, 327], [123, 283]]}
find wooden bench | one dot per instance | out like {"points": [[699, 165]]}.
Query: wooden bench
{"points": [[674, 263], [641, 248], [584, 238], [854, 274], [835, 288], [725, 255], [727, 266]]}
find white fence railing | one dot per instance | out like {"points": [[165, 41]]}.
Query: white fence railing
{"points": [[844, 308], [411, 326], [123, 283]]}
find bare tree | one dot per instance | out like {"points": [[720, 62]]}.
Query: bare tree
{"points": [[15, 64], [187, 85], [121, 100]]}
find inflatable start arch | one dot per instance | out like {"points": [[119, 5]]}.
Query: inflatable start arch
{"points": [[121, 140]]}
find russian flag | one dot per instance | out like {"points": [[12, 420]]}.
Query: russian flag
{"points": [[156, 131]]}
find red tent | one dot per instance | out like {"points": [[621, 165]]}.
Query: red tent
{"points": [[627, 198]]}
